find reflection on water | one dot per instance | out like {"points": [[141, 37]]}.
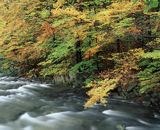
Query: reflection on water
{"points": [[28, 105]]}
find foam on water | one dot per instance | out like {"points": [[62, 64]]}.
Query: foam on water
{"points": [[117, 113], [26, 105]]}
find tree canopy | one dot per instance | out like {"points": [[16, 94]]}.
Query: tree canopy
{"points": [[109, 43]]}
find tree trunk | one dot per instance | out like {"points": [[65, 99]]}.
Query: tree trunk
{"points": [[78, 51]]}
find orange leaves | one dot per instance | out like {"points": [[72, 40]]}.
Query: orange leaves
{"points": [[46, 31], [134, 30], [27, 53], [91, 52], [30, 53], [27, 59]]}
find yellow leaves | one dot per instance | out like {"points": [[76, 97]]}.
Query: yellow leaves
{"points": [[16, 24], [91, 52], [100, 90], [2, 23], [69, 24], [100, 37], [122, 75], [128, 57], [102, 17], [118, 10], [68, 18], [60, 3], [80, 33], [137, 52], [127, 6], [82, 16], [71, 11], [54, 69], [5, 66]]}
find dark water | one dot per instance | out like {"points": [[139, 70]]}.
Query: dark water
{"points": [[28, 105]]}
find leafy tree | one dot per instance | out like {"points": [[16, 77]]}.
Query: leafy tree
{"points": [[101, 41]]}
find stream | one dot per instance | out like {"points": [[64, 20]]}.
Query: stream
{"points": [[28, 105]]}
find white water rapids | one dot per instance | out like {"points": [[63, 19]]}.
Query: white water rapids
{"points": [[26, 105]]}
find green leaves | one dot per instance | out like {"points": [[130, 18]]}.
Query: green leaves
{"points": [[149, 77], [62, 50], [95, 3], [87, 66], [45, 13], [154, 3], [150, 4], [120, 28], [152, 55]]}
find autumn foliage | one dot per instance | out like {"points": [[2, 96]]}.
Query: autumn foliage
{"points": [[107, 44]]}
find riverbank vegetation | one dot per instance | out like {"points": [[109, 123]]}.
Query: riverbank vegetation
{"points": [[110, 45]]}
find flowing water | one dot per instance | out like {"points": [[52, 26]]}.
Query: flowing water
{"points": [[28, 105]]}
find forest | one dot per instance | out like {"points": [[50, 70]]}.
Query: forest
{"points": [[105, 46]]}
